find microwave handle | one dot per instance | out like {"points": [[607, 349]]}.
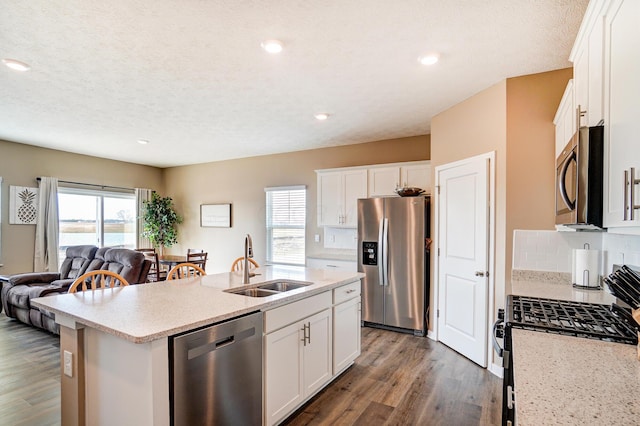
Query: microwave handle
{"points": [[561, 181]]}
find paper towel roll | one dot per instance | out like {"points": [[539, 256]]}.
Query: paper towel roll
{"points": [[585, 268]]}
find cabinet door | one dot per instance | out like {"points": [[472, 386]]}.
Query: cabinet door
{"points": [[317, 350], [283, 366], [330, 198], [581, 82], [595, 110], [354, 187], [565, 119], [383, 181], [346, 334], [622, 138], [418, 176]]}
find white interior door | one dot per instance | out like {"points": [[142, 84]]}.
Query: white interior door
{"points": [[463, 227]]}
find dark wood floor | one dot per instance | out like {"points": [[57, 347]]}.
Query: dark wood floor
{"points": [[398, 380]]}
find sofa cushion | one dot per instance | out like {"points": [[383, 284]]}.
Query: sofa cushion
{"points": [[19, 296], [98, 259], [128, 263], [77, 261]]}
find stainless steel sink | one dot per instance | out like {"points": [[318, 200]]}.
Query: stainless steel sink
{"points": [[254, 292], [282, 285], [269, 288]]}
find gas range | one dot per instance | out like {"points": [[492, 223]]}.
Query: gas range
{"points": [[580, 319], [610, 323]]}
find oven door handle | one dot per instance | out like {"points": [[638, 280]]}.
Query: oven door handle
{"points": [[499, 350], [562, 179]]}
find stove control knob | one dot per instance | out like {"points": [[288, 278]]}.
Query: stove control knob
{"points": [[501, 314]]}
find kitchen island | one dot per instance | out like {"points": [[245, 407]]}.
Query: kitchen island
{"points": [[571, 380], [116, 341]]}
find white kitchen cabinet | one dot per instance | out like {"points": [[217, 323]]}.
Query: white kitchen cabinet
{"points": [[298, 351], [622, 109], [346, 326], [384, 180], [338, 193], [565, 119], [588, 65]]}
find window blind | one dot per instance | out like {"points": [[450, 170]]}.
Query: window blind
{"points": [[286, 219]]}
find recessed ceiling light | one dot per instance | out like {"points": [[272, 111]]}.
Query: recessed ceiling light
{"points": [[16, 65], [143, 141], [428, 59], [272, 46], [321, 116]]}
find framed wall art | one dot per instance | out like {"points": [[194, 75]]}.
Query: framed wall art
{"points": [[23, 205], [215, 215]]}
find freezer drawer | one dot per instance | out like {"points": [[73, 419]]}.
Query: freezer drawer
{"points": [[216, 374]]}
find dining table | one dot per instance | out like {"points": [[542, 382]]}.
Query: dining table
{"points": [[171, 260]]}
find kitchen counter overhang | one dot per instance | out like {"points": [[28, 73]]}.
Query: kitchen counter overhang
{"points": [[147, 312]]}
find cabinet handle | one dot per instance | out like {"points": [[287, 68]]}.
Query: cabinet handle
{"points": [[309, 335], [626, 195], [304, 334], [579, 113]]}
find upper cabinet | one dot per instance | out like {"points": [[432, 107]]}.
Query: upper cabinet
{"points": [[587, 56], [338, 193], [565, 119], [622, 110], [339, 189], [383, 180]]}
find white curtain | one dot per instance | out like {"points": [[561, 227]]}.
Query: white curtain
{"points": [[142, 195], [47, 227]]}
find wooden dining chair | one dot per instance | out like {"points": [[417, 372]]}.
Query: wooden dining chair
{"points": [[185, 270], [155, 272], [197, 258], [146, 250], [238, 264], [97, 279]]}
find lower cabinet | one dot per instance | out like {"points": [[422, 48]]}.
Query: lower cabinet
{"points": [[306, 344], [346, 334]]}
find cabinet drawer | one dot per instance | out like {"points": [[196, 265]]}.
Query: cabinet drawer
{"points": [[288, 314], [346, 292], [339, 265]]}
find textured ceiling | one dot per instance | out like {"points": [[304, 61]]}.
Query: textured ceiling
{"points": [[190, 75]]}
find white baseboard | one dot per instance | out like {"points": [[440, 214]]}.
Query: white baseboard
{"points": [[496, 370], [432, 335]]}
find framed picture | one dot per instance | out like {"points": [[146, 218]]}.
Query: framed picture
{"points": [[215, 215], [23, 205]]}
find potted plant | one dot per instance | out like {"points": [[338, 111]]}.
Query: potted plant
{"points": [[160, 220]]}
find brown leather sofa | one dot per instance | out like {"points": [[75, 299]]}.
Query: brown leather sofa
{"points": [[18, 290]]}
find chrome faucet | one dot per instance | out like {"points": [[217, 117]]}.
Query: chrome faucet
{"points": [[248, 252]]}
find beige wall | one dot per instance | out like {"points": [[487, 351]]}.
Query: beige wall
{"points": [[241, 182], [21, 164], [532, 102], [514, 118], [476, 126]]}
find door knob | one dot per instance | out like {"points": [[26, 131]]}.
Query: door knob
{"points": [[480, 274]]}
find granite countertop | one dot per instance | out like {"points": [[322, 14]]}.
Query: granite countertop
{"points": [[147, 312], [568, 380], [564, 380]]}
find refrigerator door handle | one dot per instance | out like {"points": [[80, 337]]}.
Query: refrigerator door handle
{"points": [[380, 253], [385, 251]]}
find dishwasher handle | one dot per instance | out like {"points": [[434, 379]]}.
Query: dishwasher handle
{"points": [[220, 343]]}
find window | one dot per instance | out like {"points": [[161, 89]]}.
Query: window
{"points": [[286, 218], [95, 217]]}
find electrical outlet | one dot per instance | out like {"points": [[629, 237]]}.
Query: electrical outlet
{"points": [[316, 238], [68, 366]]}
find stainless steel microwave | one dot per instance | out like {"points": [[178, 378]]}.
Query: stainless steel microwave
{"points": [[579, 180]]}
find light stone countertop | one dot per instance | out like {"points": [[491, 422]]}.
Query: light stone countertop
{"points": [[147, 312], [566, 380]]}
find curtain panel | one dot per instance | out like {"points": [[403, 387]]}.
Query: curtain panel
{"points": [[47, 227], [142, 195]]}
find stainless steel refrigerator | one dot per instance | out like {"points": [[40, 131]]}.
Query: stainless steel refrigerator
{"points": [[393, 254]]}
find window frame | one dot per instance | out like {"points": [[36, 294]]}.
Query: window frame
{"points": [[101, 194], [269, 226]]}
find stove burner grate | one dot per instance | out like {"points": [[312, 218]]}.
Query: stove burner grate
{"points": [[570, 318]]}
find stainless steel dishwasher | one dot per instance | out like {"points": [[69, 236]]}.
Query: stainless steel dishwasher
{"points": [[216, 374]]}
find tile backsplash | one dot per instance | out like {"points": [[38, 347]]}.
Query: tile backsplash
{"points": [[552, 250], [340, 238]]}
